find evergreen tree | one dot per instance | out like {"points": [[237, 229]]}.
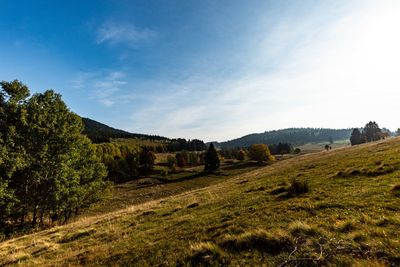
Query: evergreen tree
{"points": [[211, 159], [398, 132], [356, 137]]}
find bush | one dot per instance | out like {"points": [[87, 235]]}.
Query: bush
{"points": [[260, 153]]}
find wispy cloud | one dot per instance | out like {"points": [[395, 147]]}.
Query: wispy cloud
{"points": [[124, 33], [341, 74], [103, 86]]}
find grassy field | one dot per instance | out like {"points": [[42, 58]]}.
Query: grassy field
{"points": [[316, 147], [335, 208]]}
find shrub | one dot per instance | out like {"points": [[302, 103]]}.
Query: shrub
{"points": [[260, 153]]}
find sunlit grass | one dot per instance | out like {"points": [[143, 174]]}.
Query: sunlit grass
{"points": [[242, 220]]}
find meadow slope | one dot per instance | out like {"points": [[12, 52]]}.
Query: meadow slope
{"points": [[349, 216]]}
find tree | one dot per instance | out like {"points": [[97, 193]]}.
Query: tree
{"points": [[241, 155], [211, 159], [356, 138], [260, 153], [398, 132], [181, 159], [372, 131], [54, 170], [146, 160]]}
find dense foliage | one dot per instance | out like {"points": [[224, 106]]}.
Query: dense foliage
{"points": [[260, 153], [294, 136], [371, 132], [281, 148], [211, 159], [122, 160], [181, 144], [48, 169]]}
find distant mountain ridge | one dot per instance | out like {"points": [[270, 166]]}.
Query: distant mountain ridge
{"points": [[99, 132], [294, 136]]}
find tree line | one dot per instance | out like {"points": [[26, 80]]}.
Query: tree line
{"points": [[294, 136], [371, 132]]}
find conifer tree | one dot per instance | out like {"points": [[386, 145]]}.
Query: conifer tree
{"points": [[211, 159], [356, 137]]}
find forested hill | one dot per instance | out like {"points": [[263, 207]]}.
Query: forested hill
{"points": [[99, 132], [294, 136]]}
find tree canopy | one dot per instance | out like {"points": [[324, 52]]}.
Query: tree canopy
{"points": [[48, 169], [260, 153]]}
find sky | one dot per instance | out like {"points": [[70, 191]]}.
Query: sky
{"points": [[212, 70]]}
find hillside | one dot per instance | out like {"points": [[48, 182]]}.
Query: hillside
{"points": [[349, 216], [99, 132], [294, 136]]}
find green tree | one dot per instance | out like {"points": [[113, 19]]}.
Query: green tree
{"points": [[147, 159], [356, 138], [398, 132], [182, 159], [260, 153], [171, 162], [372, 132], [211, 159], [55, 170]]}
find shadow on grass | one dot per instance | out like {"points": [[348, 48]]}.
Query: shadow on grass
{"points": [[244, 165]]}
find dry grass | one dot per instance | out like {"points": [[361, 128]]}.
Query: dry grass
{"points": [[346, 221]]}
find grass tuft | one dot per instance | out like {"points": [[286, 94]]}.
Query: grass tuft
{"points": [[302, 229], [271, 243], [298, 187], [76, 235], [205, 254], [345, 226]]}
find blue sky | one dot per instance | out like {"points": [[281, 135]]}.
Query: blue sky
{"points": [[213, 70]]}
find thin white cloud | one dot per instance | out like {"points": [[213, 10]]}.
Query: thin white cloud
{"points": [[102, 86], [123, 33]]}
